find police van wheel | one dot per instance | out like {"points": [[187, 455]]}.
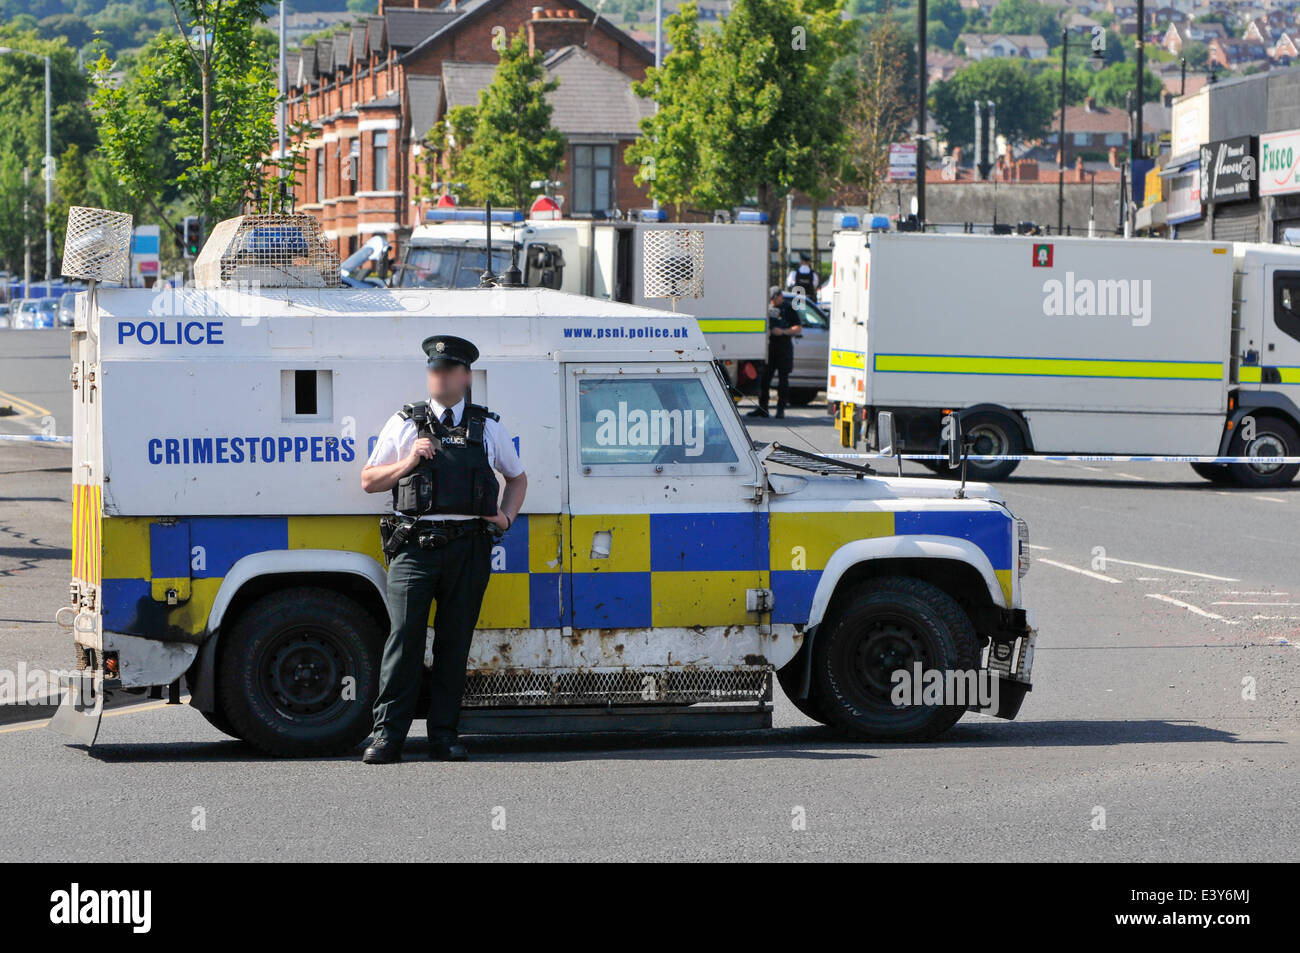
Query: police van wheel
{"points": [[219, 721], [791, 683], [886, 625], [1272, 437], [283, 666]]}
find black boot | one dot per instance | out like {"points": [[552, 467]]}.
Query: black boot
{"points": [[382, 751], [447, 748]]}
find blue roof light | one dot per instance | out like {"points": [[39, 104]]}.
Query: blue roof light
{"points": [[751, 216], [507, 215], [651, 215], [880, 222], [846, 220]]}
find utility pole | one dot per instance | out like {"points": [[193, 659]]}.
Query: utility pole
{"points": [[922, 88], [1136, 151], [27, 237], [284, 105], [1060, 170], [47, 170], [659, 59]]}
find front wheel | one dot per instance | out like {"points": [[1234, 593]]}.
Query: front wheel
{"points": [[1270, 437], [299, 672], [887, 625]]}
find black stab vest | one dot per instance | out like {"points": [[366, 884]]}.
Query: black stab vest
{"points": [[459, 479]]}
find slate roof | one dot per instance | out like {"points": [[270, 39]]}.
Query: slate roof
{"points": [[422, 96]]}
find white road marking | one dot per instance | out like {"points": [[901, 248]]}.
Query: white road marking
{"points": [[1235, 592], [1191, 608], [1046, 549], [1225, 603], [1181, 572], [1148, 578], [1121, 473], [1083, 572], [1269, 499]]}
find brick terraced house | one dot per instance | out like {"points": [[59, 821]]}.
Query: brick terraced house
{"points": [[371, 92]]}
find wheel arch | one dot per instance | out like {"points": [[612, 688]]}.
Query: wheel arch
{"points": [[353, 574], [957, 566]]}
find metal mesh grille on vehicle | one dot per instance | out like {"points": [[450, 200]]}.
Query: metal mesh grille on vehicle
{"points": [[270, 251], [673, 262], [97, 244], [618, 686]]}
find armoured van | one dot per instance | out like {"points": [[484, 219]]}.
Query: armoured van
{"points": [[663, 571], [1073, 346], [603, 259]]}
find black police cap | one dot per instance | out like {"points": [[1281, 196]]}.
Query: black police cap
{"points": [[446, 348]]}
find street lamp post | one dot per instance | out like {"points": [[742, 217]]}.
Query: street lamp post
{"points": [[1060, 168], [47, 171]]}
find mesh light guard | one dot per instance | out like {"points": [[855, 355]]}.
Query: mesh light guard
{"points": [[97, 244], [271, 251], [673, 262]]}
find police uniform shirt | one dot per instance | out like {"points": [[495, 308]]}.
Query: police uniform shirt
{"points": [[398, 437], [802, 271]]}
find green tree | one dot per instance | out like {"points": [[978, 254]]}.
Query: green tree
{"points": [[196, 113], [1111, 86], [1196, 54], [1024, 102], [1025, 17], [667, 155], [507, 141], [877, 109], [761, 104]]}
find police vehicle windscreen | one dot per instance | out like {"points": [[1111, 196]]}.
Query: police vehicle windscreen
{"points": [[449, 266]]}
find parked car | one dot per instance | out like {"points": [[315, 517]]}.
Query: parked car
{"points": [[6, 320], [811, 353], [67, 309], [37, 314]]}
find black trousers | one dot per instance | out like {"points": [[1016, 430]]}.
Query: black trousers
{"points": [[780, 361], [456, 576]]}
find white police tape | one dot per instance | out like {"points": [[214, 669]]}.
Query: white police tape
{"points": [[981, 457], [1064, 457]]}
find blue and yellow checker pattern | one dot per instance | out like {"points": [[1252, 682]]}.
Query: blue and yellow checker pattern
{"points": [[665, 569]]}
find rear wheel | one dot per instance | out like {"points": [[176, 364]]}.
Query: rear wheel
{"points": [[1271, 437], [887, 625], [994, 435], [299, 671], [1214, 472]]}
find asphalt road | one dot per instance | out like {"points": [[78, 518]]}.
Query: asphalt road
{"points": [[1160, 600]]}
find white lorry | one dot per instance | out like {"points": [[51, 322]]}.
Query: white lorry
{"points": [[663, 570], [1071, 346], [602, 259]]}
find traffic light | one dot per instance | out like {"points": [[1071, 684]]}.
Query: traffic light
{"points": [[193, 239]]}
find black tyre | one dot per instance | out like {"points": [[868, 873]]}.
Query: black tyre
{"points": [[790, 683], [885, 625], [1217, 473], [1273, 437], [991, 434], [219, 721], [282, 672]]}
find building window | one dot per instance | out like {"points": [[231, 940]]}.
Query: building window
{"points": [[381, 161], [354, 165], [593, 179], [1114, 138], [320, 175], [1082, 138]]}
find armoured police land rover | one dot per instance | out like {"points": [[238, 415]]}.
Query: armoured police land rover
{"points": [[663, 571]]}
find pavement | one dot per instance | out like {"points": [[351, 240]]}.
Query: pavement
{"points": [[1164, 724]]}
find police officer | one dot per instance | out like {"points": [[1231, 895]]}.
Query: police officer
{"points": [[437, 457], [804, 277], [782, 327]]}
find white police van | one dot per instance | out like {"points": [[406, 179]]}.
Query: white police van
{"points": [[663, 571]]}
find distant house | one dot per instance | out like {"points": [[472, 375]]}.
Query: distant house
{"points": [[1286, 49], [1081, 25], [1179, 34], [982, 46], [1231, 53], [1091, 128], [941, 66]]}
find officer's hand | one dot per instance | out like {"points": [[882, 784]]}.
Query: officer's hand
{"points": [[423, 449]]}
